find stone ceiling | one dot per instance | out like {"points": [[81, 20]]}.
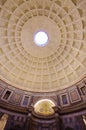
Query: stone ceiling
{"points": [[59, 64]]}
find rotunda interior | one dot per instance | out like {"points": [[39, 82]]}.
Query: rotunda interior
{"points": [[42, 64]]}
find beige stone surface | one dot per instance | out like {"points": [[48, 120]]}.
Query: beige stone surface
{"points": [[60, 63]]}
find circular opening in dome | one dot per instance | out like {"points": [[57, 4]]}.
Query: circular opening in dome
{"points": [[41, 38]]}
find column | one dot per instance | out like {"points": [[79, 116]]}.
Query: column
{"points": [[3, 121]]}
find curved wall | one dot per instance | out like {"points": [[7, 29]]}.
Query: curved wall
{"points": [[70, 105], [73, 97]]}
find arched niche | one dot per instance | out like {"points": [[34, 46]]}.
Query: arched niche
{"points": [[44, 107]]}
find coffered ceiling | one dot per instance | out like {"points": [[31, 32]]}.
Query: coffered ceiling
{"points": [[59, 64]]}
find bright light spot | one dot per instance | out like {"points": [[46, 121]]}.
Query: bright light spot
{"points": [[41, 38], [45, 100]]}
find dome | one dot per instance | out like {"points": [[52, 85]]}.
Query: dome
{"points": [[55, 66]]}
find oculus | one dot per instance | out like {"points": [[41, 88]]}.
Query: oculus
{"points": [[41, 38]]}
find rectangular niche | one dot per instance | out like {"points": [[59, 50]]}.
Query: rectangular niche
{"points": [[74, 96], [83, 90], [64, 99], [6, 95], [25, 101]]}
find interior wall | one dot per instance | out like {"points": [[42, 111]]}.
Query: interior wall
{"points": [[72, 121]]}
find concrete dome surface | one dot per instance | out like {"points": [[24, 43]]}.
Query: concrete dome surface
{"points": [[55, 66]]}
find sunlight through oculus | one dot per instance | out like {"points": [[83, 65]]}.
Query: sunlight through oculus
{"points": [[41, 38]]}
